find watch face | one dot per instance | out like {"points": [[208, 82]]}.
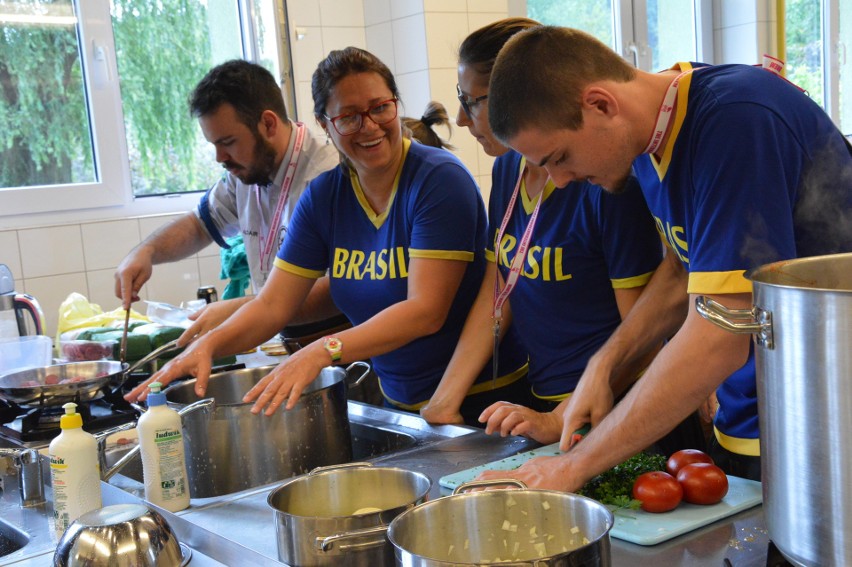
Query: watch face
{"points": [[334, 346]]}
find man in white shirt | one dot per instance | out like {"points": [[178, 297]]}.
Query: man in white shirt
{"points": [[269, 161]]}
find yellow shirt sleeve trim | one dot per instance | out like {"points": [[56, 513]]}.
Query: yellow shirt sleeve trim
{"points": [[489, 256], [631, 282], [293, 269], [718, 282], [740, 446], [462, 255], [553, 398]]}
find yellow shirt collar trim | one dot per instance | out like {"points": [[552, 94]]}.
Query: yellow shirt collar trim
{"points": [[378, 219], [529, 203], [680, 113]]}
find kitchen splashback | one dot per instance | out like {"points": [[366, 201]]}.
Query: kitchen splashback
{"points": [[52, 261]]}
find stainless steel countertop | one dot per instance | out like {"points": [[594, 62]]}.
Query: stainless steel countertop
{"points": [[239, 529]]}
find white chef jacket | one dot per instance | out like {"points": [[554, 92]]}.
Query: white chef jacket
{"points": [[231, 207]]}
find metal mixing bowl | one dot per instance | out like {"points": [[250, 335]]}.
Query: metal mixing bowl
{"points": [[121, 535]]}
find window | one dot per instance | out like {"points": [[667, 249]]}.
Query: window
{"points": [[652, 34], [162, 50], [592, 16], [48, 106], [817, 58], [110, 113]]}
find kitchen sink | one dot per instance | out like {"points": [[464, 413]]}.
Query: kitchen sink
{"points": [[11, 539], [374, 432], [368, 441], [209, 524]]}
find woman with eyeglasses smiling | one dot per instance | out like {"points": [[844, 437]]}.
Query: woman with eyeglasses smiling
{"points": [[583, 255], [400, 229]]}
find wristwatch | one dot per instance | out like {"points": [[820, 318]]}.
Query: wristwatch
{"points": [[334, 347]]}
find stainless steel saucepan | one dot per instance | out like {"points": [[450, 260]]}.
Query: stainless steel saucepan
{"points": [[77, 382]]}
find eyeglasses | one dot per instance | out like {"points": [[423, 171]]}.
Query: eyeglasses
{"points": [[468, 104], [380, 113]]}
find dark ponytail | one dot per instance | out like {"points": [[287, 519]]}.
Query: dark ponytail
{"points": [[421, 130]]}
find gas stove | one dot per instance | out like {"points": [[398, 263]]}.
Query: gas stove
{"points": [[34, 428]]}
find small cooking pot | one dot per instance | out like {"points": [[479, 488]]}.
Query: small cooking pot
{"points": [[230, 449], [76, 382], [330, 515], [520, 526]]}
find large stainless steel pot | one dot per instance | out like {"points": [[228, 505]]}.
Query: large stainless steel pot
{"points": [[802, 323], [315, 515], [525, 527], [231, 449]]}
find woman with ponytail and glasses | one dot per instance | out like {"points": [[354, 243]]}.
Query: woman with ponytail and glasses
{"points": [[585, 256]]}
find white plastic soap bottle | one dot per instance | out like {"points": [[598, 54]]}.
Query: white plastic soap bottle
{"points": [[163, 461], [74, 470]]}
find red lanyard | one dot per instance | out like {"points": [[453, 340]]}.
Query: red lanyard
{"points": [[500, 296], [665, 115], [268, 248]]}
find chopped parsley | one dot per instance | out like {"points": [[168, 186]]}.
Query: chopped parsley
{"points": [[615, 486]]}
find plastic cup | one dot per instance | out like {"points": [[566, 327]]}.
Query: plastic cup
{"points": [[25, 352]]}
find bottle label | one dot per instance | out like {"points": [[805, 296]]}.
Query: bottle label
{"points": [[169, 444], [72, 497]]}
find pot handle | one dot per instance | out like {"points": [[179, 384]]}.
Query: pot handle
{"points": [[753, 321], [359, 364], [153, 355], [28, 303], [108, 472], [486, 483], [326, 543]]}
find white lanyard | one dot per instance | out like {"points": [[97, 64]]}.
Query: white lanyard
{"points": [[665, 115], [268, 248], [500, 296]]}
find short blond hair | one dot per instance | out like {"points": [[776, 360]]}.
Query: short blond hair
{"points": [[539, 77]]}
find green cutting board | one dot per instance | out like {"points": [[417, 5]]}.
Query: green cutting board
{"points": [[637, 526]]}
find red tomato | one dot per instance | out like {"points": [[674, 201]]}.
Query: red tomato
{"points": [[685, 457], [703, 483], [658, 491]]}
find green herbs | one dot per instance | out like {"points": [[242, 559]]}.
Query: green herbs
{"points": [[615, 486]]}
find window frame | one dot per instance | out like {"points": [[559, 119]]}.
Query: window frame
{"points": [[97, 60], [111, 195], [831, 59], [630, 32]]}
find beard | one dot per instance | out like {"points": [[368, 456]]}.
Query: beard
{"points": [[262, 167], [618, 186], [617, 182]]}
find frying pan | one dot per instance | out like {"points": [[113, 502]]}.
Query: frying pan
{"points": [[58, 384]]}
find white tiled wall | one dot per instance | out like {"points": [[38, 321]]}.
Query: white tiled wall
{"points": [[50, 262]]}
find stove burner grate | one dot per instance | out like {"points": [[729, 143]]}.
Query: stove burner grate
{"points": [[33, 425]]}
